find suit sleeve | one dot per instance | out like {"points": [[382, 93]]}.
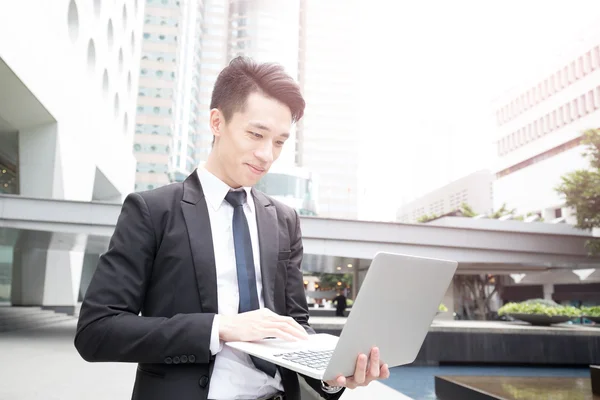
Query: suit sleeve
{"points": [[296, 305], [110, 327]]}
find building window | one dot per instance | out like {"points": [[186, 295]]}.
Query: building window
{"points": [[571, 72], [582, 106], [575, 109], [561, 117], [543, 88], [591, 103], [587, 63], [559, 81], [545, 124], [568, 116], [596, 57]]}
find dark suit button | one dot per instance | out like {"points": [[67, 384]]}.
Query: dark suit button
{"points": [[175, 360], [168, 360], [192, 358], [184, 359], [203, 381]]}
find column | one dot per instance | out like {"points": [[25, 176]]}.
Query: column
{"points": [[548, 291], [47, 270], [38, 153]]}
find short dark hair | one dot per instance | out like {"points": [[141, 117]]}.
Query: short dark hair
{"points": [[244, 76]]}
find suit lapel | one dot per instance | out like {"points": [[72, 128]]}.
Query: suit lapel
{"points": [[195, 213], [268, 238]]}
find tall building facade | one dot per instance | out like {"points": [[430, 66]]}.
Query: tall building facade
{"points": [[539, 130], [163, 26], [293, 186], [68, 85], [212, 59], [328, 73], [186, 106], [298, 34]]}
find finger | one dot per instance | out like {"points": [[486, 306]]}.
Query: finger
{"points": [[374, 363], [350, 383], [299, 328], [384, 373], [291, 330], [284, 332], [292, 322], [339, 381], [280, 334], [289, 321], [361, 369]]}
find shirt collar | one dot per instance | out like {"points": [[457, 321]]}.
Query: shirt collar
{"points": [[215, 190]]}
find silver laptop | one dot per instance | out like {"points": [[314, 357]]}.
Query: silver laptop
{"points": [[394, 309]]}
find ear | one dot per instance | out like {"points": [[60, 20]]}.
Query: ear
{"points": [[217, 121]]}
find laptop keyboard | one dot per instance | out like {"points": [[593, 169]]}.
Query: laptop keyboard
{"points": [[313, 359]]}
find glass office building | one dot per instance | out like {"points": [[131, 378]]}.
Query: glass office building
{"points": [[295, 187]]}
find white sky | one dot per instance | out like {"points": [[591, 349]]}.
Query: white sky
{"points": [[435, 67]]}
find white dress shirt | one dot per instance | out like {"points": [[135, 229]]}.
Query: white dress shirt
{"points": [[234, 375]]}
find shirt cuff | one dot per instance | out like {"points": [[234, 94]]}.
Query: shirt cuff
{"points": [[215, 344]]}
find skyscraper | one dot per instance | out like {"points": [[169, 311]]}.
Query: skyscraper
{"points": [[315, 43], [157, 92], [328, 74], [186, 106]]}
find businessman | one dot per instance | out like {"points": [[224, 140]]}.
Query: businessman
{"points": [[196, 264]]}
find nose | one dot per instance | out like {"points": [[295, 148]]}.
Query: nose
{"points": [[265, 152]]}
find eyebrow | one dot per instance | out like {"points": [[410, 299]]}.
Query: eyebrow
{"points": [[263, 127]]}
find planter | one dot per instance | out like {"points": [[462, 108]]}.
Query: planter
{"points": [[593, 319], [541, 319]]}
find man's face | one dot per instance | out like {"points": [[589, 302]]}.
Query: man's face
{"points": [[249, 143]]}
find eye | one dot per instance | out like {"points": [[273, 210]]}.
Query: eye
{"points": [[256, 135], [280, 143]]}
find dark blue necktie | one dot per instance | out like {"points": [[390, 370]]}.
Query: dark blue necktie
{"points": [[244, 261]]}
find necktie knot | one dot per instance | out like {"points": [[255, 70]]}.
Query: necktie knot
{"points": [[236, 198]]}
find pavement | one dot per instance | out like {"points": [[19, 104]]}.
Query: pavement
{"points": [[42, 364]]}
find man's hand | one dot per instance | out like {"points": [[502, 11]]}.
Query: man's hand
{"points": [[257, 325], [367, 370]]}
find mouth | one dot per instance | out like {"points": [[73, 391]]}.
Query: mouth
{"points": [[256, 170]]}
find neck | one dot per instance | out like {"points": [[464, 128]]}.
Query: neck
{"points": [[213, 166]]}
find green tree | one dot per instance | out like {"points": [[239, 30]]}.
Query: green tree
{"points": [[427, 218], [330, 281], [581, 189], [501, 212], [467, 211]]}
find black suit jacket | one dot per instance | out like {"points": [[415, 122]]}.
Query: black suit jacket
{"points": [[153, 296]]}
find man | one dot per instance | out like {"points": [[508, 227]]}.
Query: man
{"points": [[340, 304], [193, 265]]}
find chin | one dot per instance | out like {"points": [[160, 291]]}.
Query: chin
{"points": [[248, 178], [251, 181]]}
